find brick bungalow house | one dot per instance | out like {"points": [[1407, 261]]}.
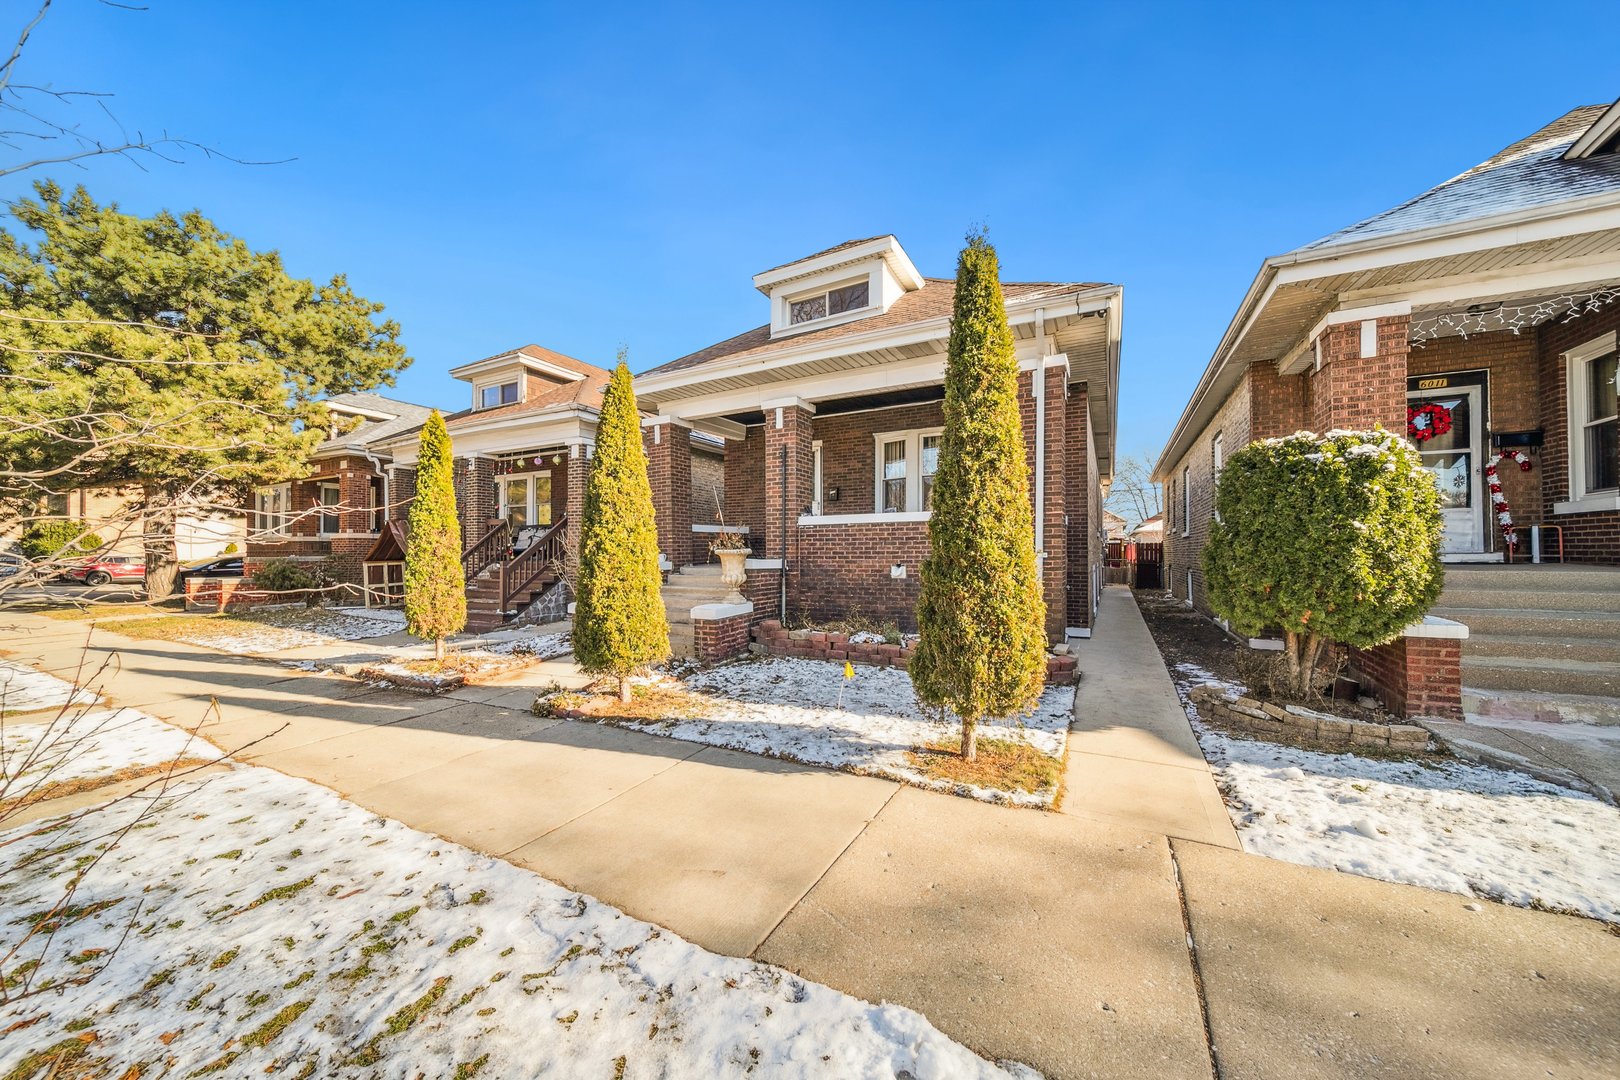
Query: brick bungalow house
{"points": [[830, 414], [1479, 318], [334, 514], [520, 450]]}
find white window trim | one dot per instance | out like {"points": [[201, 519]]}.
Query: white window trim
{"points": [[815, 478], [1217, 451], [272, 522], [531, 496], [479, 388], [1186, 500], [1580, 501], [328, 524], [913, 438]]}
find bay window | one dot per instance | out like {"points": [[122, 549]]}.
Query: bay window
{"points": [[272, 508]]}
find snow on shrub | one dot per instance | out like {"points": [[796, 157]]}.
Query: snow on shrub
{"points": [[1331, 538]]}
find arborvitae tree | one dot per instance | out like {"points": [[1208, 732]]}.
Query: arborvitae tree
{"points": [[1329, 538], [435, 590], [983, 646], [619, 622]]}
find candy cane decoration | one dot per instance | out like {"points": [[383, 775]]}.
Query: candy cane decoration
{"points": [[1499, 503]]}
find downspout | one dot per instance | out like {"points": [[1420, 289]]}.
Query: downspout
{"points": [[781, 610], [1038, 386], [387, 493]]}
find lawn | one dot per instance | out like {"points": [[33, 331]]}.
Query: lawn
{"points": [[807, 711], [274, 928], [267, 630]]}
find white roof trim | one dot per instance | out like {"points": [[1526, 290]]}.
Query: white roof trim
{"points": [[1603, 128], [466, 372], [354, 410], [886, 246]]}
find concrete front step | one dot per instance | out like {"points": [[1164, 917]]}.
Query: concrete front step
{"points": [[1532, 647], [1562, 623], [1545, 578], [1532, 599], [1542, 675], [1513, 705]]}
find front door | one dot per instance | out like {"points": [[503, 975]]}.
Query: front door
{"points": [[1447, 425]]}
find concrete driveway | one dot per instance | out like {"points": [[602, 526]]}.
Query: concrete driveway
{"points": [[1124, 937]]}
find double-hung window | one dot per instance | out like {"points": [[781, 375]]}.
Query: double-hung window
{"points": [[271, 510], [906, 464], [1594, 420], [1217, 459], [1186, 500], [328, 503], [830, 302]]}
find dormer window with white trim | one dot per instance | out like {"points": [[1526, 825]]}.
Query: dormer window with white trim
{"points": [[491, 397], [820, 305]]}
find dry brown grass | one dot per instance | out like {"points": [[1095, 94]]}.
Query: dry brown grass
{"points": [[999, 763], [109, 611], [654, 702], [79, 785]]}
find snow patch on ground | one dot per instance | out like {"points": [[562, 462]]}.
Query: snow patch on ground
{"points": [[539, 646], [22, 689], [1445, 825], [279, 928], [789, 708], [93, 742], [391, 616], [248, 637]]}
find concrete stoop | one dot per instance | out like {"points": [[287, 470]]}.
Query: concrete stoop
{"points": [[1544, 640], [687, 588]]}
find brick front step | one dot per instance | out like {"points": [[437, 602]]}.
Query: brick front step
{"points": [[775, 640]]}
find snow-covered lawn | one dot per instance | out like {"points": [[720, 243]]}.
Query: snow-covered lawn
{"points": [[1442, 824], [789, 708], [265, 631], [279, 929], [22, 689]]}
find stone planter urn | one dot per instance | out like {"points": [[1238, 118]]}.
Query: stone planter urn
{"points": [[732, 573]]}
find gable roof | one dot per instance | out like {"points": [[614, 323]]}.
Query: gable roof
{"points": [[584, 393], [402, 416], [827, 251], [932, 301], [1532, 172]]}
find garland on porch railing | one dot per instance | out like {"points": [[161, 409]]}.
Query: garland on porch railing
{"points": [[1514, 317], [1499, 503]]}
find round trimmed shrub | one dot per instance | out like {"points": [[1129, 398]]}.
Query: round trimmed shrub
{"points": [[1327, 538]]}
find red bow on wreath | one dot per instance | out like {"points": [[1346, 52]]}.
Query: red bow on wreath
{"points": [[1424, 422]]}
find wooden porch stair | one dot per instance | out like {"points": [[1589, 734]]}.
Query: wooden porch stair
{"points": [[499, 585]]}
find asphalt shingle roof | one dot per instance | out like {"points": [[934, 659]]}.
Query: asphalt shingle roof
{"points": [[406, 417]]}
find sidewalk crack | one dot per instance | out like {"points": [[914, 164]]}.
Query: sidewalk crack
{"points": [[1197, 972]]}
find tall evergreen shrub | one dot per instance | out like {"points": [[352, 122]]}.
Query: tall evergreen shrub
{"points": [[983, 643], [435, 589], [1331, 538], [619, 622]]}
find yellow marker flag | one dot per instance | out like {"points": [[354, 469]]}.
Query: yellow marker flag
{"points": [[849, 670]]}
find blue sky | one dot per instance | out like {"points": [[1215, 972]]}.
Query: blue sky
{"points": [[586, 176]]}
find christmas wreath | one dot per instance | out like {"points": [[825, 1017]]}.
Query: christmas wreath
{"points": [[1424, 422]]}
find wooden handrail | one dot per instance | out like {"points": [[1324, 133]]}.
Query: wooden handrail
{"points": [[530, 564], [486, 551]]}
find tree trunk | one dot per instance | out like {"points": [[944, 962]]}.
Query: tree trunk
{"points": [[157, 536], [438, 650], [970, 739], [624, 690], [1303, 652]]}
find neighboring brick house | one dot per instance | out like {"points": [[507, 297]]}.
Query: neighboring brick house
{"points": [[332, 515], [1485, 306], [520, 452], [831, 414]]}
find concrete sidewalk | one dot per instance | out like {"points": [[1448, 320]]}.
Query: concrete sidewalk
{"points": [[1086, 943]]}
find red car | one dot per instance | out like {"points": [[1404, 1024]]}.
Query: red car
{"points": [[106, 568]]}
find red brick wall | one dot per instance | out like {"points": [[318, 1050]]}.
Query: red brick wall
{"points": [[402, 492], [1355, 391], [843, 570], [1592, 536], [475, 497], [708, 486], [1414, 677], [720, 639], [669, 469], [1196, 472], [787, 456], [1054, 567], [745, 482], [1080, 531], [345, 547], [849, 451]]}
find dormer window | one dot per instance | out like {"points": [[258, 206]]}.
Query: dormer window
{"points": [[832, 302], [503, 394]]}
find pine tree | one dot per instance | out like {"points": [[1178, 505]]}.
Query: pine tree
{"points": [[435, 591], [982, 650], [619, 622]]}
